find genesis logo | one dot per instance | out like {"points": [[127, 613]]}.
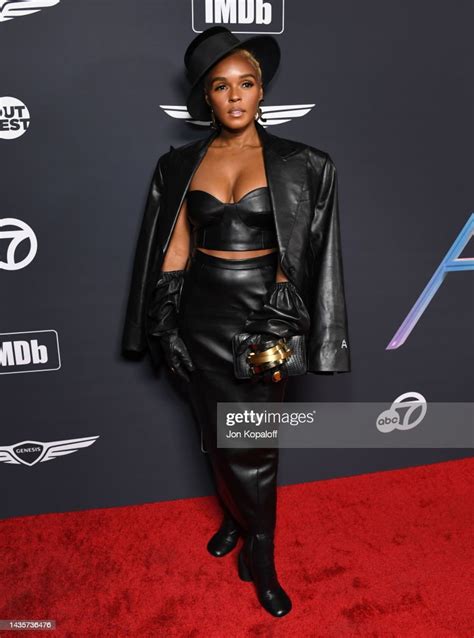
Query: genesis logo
{"points": [[239, 16], [32, 452], [19, 233], [272, 114], [392, 419], [10, 9], [14, 118]]}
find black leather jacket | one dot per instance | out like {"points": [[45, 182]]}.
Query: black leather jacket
{"points": [[303, 189]]}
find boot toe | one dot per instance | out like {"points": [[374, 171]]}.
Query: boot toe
{"points": [[220, 546], [276, 602]]}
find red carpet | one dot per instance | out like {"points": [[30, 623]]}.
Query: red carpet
{"points": [[383, 555]]}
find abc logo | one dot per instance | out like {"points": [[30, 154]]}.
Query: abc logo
{"points": [[405, 413]]}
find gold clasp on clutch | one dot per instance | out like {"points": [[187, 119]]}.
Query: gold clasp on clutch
{"points": [[269, 358]]}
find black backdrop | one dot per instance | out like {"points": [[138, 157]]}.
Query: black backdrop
{"points": [[393, 100]]}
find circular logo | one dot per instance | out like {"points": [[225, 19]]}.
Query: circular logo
{"points": [[399, 415], [20, 233], [14, 118]]}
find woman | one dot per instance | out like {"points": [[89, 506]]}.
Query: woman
{"points": [[240, 234]]}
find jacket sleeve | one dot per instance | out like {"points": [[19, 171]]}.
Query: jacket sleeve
{"points": [[134, 332], [328, 341]]}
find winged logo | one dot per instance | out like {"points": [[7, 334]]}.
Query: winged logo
{"points": [[39, 452], [10, 9], [272, 114]]}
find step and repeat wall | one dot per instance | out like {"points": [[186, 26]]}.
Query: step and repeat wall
{"points": [[91, 94]]}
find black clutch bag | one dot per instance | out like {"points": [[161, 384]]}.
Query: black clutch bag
{"points": [[295, 361]]}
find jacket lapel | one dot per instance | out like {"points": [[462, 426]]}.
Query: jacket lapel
{"points": [[183, 164], [279, 167], [285, 169]]}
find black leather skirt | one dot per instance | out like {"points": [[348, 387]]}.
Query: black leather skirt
{"points": [[217, 296]]}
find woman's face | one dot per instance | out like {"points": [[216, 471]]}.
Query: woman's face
{"points": [[234, 91]]}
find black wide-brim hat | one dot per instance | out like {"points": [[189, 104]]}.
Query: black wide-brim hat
{"points": [[212, 45]]}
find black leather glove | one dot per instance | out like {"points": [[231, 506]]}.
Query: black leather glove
{"points": [[162, 323], [283, 314]]}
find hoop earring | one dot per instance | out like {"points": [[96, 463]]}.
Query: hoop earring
{"points": [[259, 114], [213, 120]]}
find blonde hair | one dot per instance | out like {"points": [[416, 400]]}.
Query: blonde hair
{"points": [[250, 57], [253, 60]]}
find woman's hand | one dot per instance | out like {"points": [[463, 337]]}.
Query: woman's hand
{"points": [[176, 354], [162, 322], [282, 315], [259, 343]]}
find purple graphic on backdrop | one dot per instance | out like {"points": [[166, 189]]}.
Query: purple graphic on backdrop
{"points": [[451, 263]]}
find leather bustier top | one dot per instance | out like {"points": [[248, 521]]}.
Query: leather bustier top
{"points": [[248, 224]]}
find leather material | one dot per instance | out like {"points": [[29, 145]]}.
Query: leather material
{"points": [[176, 354], [162, 314], [303, 188], [217, 296], [248, 224], [162, 322], [226, 537], [282, 314], [245, 478], [257, 563]]}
